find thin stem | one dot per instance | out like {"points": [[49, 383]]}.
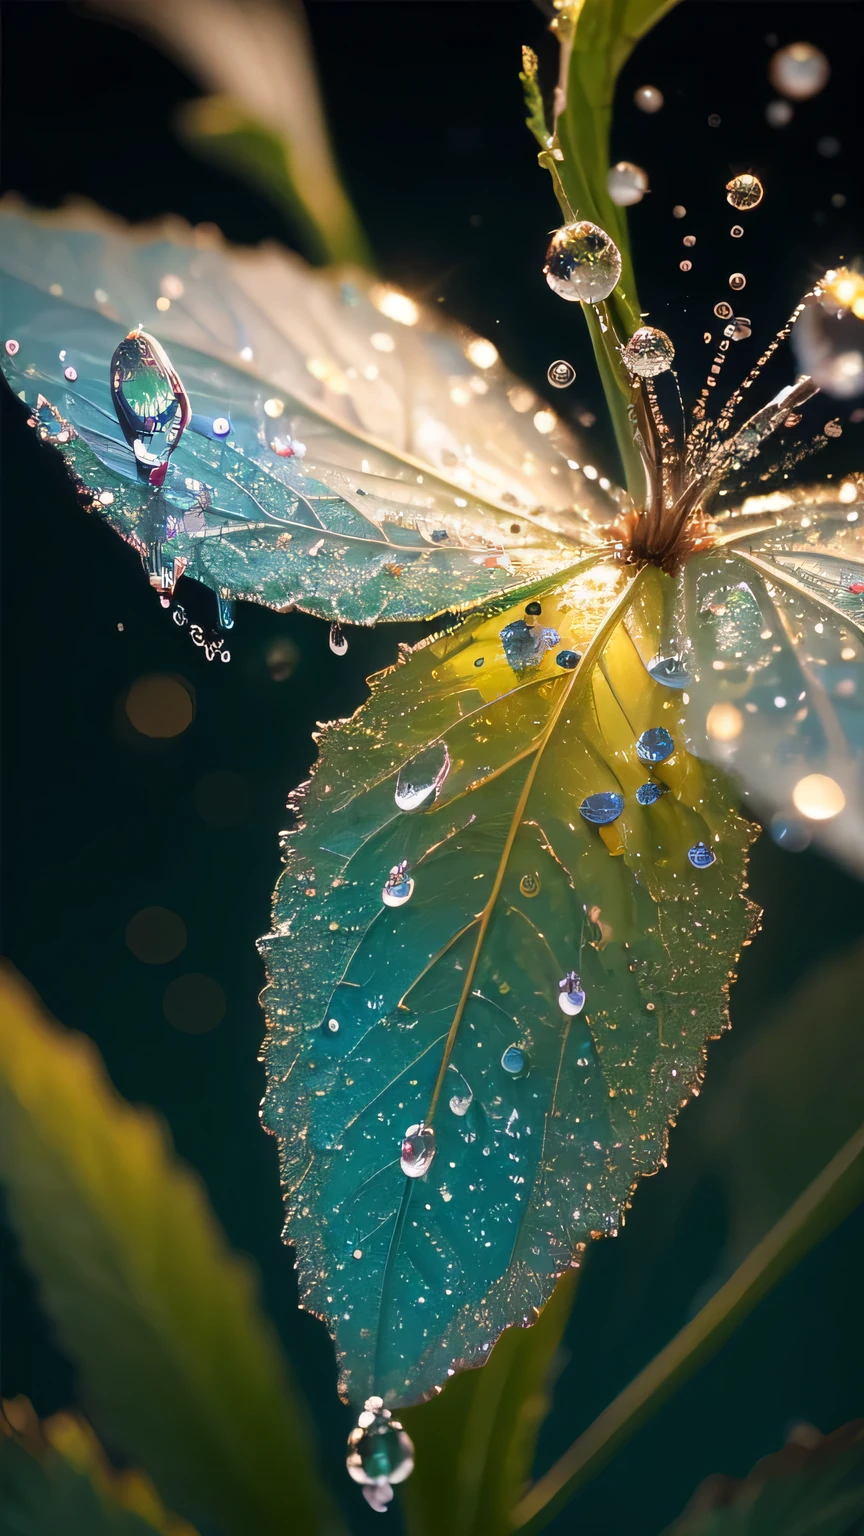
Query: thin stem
{"points": [[831, 1197]]}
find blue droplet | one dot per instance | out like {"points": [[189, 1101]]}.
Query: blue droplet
{"points": [[568, 660], [439, 535], [655, 745], [513, 1060], [646, 794], [701, 856], [603, 807]]}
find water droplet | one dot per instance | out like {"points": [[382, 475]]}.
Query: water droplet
{"points": [[655, 745], [646, 794], [418, 1150], [778, 114], [679, 211], [582, 263], [13, 346], [670, 671], [418, 782], [714, 119], [790, 833], [737, 281], [225, 611], [526, 644], [818, 797], [274, 408], [560, 374], [686, 266], [736, 231], [648, 352], [379, 1451], [603, 807], [150, 402], [739, 330], [534, 609], [338, 642], [723, 311], [833, 429], [571, 996], [70, 373], [689, 240], [568, 659], [480, 662], [648, 98], [221, 426], [799, 71], [514, 1060], [626, 183], [529, 885], [399, 886], [744, 192], [463, 1097], [701, 856]]}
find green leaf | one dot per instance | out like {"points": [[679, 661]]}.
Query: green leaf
{"points": [[46, 1496], [824, 1204], [382, 1019], [813, 1487], [475, 1441], [175, 1361]]}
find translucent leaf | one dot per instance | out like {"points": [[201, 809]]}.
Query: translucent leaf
{"points": [[345, 454], [175, 1361], [441, 1009]]}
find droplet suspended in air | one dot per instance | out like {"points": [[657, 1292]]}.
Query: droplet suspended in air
{"points": [[701, 856], [648, 352], [560, 374], [689, 240], [744, 192], [646, 794], [655, 745], [739, 330], [571, 995], [399, 886], [601, 808], [418, 1151], [736, 231], [418, 783], [686, 266], [151, 404], [514, 1061], [583, 264], [338, 642], [568, 659], [648, 98], [626, 183], [670, 671], [778, 114], [723, 310], [379, 1452], [799, 71], [737, 281]]}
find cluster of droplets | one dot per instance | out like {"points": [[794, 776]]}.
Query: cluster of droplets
{"points": [[379, 1453]]}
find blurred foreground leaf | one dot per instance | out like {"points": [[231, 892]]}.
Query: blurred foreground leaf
{"points": [[176, 1363], [475, 1442], [814, 1488]]}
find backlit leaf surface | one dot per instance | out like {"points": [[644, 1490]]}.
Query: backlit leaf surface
{"points": [[381, 1019]]}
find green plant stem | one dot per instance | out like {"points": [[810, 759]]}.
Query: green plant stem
{"points": [[823, 1205]]}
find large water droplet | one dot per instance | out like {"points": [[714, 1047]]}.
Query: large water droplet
{"points": [[655, 745], [561, 374], [648, 352], [603, 807], [583, 263], [399, 886], [648, 98], [151, 404], [669, 670], [626, 183], [338, 642], [514, 1061], [379, 1451], [799, 71], [526, 644], [744, 192], [646, 794], [571, 996], [419, 782], [463, 1096], [701, 856], [418, 1150]]}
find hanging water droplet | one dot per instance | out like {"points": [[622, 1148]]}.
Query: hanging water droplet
{"points": [[737, 281], [583, 264], [648, 793], [514, 1060], [379, 1451], [338, 642], [655, 745], [151, 404], [799, 71], [744, 192], [648, 98], [225, 609], [701, 856], [648, 352], [626, 183], [463, 1097], [399, 886], [418, 783], [560, 374], [571, 995], [526, 644], [603, 807], [670, 671], [418, 1150]]}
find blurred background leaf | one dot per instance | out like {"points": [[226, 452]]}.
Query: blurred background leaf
{"points": [[176, 1364], [264, 118], [475, 1442]]}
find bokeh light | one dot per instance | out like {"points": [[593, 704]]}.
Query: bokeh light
{"points": [[159, 705], [193, 1003], [156, 935]]}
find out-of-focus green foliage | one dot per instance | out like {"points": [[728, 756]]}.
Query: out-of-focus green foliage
{"points": [[176, 1362]]}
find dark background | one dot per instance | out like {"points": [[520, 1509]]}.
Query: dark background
{"points": [[425, 107]]}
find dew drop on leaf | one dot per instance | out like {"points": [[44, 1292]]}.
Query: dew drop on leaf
{"points": [[418, 1150]]}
